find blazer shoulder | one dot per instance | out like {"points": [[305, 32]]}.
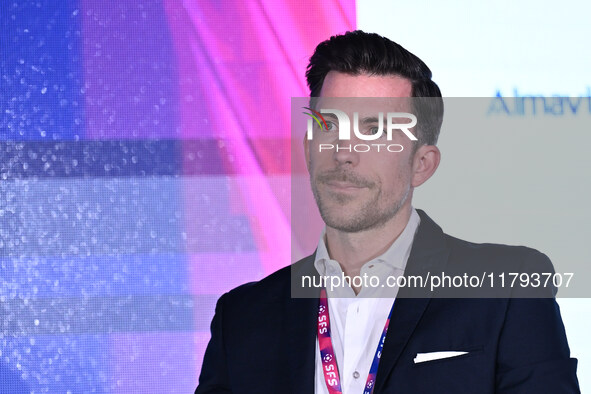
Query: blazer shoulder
{"points": [[272, 287], [507, 261], [431, 236], [527, 256]]}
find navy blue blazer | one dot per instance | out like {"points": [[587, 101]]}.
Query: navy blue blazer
{"points": [[263, 340]]}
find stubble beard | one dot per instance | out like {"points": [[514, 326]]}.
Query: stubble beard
{"points": [[369, 214]]}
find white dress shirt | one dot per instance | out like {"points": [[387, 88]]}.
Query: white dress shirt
{"points": [[357, 321]]}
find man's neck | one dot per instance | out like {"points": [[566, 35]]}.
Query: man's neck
{"points": [[352, 250]]}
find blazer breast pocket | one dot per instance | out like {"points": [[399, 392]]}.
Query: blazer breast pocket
{"points": [[422, 359], [455, 370]]}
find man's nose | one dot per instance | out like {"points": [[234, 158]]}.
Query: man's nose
{"points": [[345, 151]]}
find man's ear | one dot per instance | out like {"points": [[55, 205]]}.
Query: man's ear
{"points": [[425, 162]]}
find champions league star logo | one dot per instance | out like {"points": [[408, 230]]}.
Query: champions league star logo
{"points": [[327, 358], [321, 309]]}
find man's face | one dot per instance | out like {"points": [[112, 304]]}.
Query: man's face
{"points": [[357, 191]]}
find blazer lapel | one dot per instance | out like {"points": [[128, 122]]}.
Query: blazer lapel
{"points": [[429, 253]]}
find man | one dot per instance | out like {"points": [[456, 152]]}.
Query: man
{"points": [[355, 339]]}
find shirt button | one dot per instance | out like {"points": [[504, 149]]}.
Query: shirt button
{"points": [[356, 375]]}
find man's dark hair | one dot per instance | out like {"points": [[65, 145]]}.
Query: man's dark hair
{"points": [[357, 52]]}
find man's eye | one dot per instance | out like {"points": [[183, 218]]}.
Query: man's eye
{"points": [[373, 130], [330, 126]]}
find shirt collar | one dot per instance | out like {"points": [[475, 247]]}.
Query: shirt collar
{"points": [[395, 257]]}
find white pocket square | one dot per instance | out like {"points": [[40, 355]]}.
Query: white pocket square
{"points": [[422, 357]]}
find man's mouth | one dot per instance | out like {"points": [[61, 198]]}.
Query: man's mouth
{"points": [[343, 182], [343, 186]]}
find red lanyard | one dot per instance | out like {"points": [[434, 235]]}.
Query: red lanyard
{"points": [[329, 361]]}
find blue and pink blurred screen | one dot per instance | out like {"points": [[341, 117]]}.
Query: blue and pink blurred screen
{"points": [[144, 170]]}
